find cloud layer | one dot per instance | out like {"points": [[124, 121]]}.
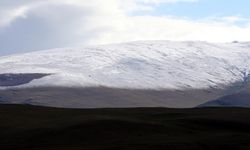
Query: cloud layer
{"points": [[34, 25]]}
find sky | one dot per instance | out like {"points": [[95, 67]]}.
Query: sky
{"points": [[29, 25]]}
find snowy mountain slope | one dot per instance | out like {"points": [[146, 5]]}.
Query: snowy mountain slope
{"points": [[238, 98], [141, 65], [234, 100]]}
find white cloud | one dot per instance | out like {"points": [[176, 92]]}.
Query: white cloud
{"points": [[147, 5], [59, 23], [164, 1], [235, 19]]}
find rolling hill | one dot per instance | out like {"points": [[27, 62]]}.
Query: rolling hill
{"points": [[135, 74]]}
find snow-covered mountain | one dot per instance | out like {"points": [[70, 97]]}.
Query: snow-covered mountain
{"points": [[214, 70], [234, 100], [149, 64], [238, 98]]}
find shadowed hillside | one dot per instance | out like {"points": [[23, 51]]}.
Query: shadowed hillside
{"points": [[240, 98], [19, 79], [39, 128], [103, 97]]}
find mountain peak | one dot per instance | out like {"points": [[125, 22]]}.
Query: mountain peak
{"points": [[141, 64]]}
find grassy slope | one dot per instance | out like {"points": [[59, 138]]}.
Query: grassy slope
{"points": [[39, 128]]}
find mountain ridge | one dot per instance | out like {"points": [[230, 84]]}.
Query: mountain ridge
{"points": [[148, 64], [162, 73]]}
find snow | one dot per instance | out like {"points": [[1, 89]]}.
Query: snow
{"points": [[140, 65]]}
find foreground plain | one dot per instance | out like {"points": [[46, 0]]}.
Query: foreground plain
{"points": [[39, 128]]}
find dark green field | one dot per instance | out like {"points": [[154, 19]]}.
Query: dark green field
{"points": [[40, 128]]}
